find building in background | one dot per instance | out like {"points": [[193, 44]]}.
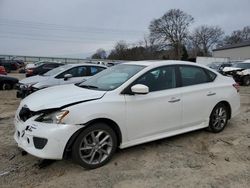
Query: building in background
{"points": [[239, 51]]}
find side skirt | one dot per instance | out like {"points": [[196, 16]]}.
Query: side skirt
{"points": [[163, 135]]}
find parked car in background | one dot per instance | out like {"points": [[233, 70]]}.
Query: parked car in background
{"points": [[7, 82], [240, 72], [20, 63], [41, 69], [2, 70], [6, 65], [14, 65], [16, 60], [67, 74], [125, 105], [37, 63], [219, 66]]}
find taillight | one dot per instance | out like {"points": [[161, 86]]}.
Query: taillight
{"points": [[236, 86]]}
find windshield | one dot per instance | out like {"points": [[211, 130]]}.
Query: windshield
{"points": [[242, 65], [57, 70], [111, 78]]}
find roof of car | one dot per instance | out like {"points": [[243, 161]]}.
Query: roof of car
{"points": [[88, 64], [246, 61], [160, 62]]}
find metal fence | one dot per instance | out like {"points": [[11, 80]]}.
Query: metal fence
{"points": [[29, 59]]}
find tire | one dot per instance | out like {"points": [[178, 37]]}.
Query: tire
{"points": [[6, 86], [246, 81], [218, 118], [95, 146]]}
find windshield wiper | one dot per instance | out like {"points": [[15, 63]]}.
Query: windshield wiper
{"points": [[88, 86]]}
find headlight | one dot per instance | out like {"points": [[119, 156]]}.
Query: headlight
{"points": [[60, 115], [54, 117]]}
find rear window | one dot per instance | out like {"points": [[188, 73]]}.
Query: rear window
{"points": [[94, 70], [192, 75], [211, 75]]}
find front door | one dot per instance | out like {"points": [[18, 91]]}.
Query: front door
{"points": [[159, 110]]}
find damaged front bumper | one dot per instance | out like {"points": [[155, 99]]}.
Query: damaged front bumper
{"points": [[43, 140], [236, 76], [23, 90]]}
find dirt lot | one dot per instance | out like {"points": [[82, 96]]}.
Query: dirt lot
{"points": [[197, 159]]}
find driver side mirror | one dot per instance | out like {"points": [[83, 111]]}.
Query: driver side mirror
{"points": [[67, 76], [140, 89]]}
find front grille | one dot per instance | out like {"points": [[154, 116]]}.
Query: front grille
{"points": [[25, 113]]}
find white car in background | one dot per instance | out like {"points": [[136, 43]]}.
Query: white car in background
{"points": [[240, 72], [125, 105], [67, 74]]}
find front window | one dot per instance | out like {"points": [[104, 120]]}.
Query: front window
{"points": [[159, 79], [112, 78], [75, 72]]}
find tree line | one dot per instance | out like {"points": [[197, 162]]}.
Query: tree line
{"points": [[170, 38]]}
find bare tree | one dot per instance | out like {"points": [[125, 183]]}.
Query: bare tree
{"points": [[99, 54], [172, 29], [245, 33], [206, 37], [119, 51], [237, 36]]}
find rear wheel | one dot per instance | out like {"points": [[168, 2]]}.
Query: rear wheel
{"points": [[246, 81], [218, 118], [95, 146]]}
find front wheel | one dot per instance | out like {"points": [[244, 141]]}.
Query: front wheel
{"points": [[218, 118], [6, 86], [95, 146]]}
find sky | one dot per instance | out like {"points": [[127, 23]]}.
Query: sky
{"points": [[77, 28]]}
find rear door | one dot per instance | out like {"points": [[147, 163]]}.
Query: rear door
{"points": [[198, 95]]}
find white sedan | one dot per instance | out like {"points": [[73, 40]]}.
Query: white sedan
{"points": [[126, 105]]}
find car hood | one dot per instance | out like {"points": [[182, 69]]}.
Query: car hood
{"points": [[227, 69], [60, 97], [33, 79]]}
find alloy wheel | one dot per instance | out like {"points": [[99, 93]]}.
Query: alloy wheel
{"points": [[219, 118], [95, 147]]}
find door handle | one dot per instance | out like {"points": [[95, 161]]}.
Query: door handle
{"points": [[172, 100], [211, 93]]}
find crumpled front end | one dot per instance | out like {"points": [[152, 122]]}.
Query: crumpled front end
{"points": [[43, 140]]}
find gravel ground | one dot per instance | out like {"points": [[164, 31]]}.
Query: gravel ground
{"points": [[196, 159]]}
